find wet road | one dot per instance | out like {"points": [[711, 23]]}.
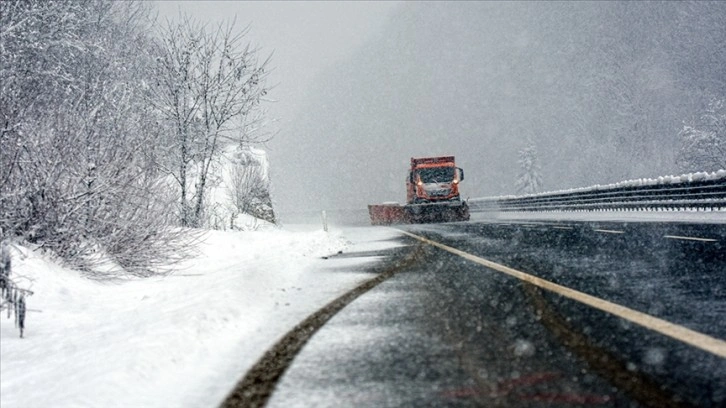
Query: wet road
{"points": [[446, 331]]}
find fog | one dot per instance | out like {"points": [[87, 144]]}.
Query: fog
{"points": [[602, 89]]}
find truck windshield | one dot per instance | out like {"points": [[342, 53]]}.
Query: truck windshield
{"points": [[437, 174]]}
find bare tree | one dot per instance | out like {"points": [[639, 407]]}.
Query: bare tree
{"points": [[77, 175], [208, 83]]}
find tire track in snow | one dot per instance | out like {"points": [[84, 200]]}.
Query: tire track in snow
{"points": [[258, 384]]}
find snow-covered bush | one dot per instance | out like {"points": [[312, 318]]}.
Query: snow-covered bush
{"points": [[249, 185], [12, 297], [78, 139]]}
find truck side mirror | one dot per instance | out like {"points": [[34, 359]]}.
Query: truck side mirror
{"points": [[461, 174]]}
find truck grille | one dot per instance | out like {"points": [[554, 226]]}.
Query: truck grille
{"points": [[439, 193]]}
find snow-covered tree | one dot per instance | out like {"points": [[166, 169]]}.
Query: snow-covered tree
{"points": [[208, 83], [703, 142], [529, 180], [77, 135], [249, 189]]}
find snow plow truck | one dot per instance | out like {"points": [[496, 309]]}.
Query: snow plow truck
{"points": [[432, 187]]}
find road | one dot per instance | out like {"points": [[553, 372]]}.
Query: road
{"points": [[448, 331]]}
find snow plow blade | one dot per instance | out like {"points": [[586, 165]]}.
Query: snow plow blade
{"points": [[387, 214], [437, 212]]}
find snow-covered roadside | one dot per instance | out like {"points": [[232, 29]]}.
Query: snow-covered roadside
{"points": [[179, 341]]}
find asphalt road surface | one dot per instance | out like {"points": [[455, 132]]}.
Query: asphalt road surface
{"points": [[448, 331]]}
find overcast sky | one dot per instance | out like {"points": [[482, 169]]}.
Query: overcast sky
{"points": [[360, 87], [303, 37]]}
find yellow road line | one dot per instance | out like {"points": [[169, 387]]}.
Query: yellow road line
{"points": [[686, 335], [610, 231], [690, 238]]}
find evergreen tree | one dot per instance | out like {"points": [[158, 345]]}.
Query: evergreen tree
{"points": [[703, 143], [529, 180]]}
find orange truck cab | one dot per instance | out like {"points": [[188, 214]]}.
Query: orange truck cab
{"points": [[433, 179]]}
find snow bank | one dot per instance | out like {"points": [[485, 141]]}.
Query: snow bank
{"points": [[179, 341]]}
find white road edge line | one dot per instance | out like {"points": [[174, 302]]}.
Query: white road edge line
{"points": [[680, 333], [690, 238], [610, 231]]}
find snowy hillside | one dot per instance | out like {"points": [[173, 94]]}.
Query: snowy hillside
{"points": [[179, 341]]}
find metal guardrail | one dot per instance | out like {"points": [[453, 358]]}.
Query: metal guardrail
{"points": [[699, 191]]}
